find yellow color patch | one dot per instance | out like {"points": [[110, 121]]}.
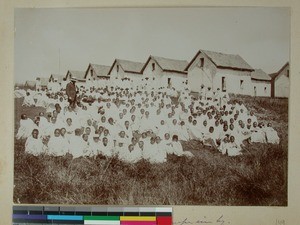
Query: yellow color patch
{"points": [[137, 218]]}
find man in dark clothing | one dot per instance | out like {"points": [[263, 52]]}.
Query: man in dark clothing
{"points": [[71, 93]]}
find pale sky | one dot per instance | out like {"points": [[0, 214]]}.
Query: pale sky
{"points": [[259, 35]]}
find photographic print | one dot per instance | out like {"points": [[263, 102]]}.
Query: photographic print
{"points": [[151, 106]]}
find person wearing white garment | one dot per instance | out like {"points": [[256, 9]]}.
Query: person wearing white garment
{"points": [[166, 144], [87, 151], [134, 123], [41, 99], [106, 147], [56, 145], [252, 117], [223, 145], [237, 135], [211, 139], [271, 135], [28, 100], [148, 146], [43, 124], [218, 129], [183, 132], [146, 123], [26, 127], [126, 127], [122, 143], [76, 144], [33, 144], [110, 126], [177, 148], [19, 93], [134, 154], [258, 134], [232, 147], [160, 155], [194, 131]]}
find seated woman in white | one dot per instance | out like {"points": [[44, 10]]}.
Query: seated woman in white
{"points": [[166, 144], [258, 135], [177, 148], [94, 145], [28, 100], [223, 145], [183, 132], [232, 148], [271, 135], [149, 148], [107, 147], [134, 154], [86, 145], [56, 145], [194, 131], [122, 143], [26, 127], [211, 138], [19, 93], [33, 144], [161, 153], [76, 144]]}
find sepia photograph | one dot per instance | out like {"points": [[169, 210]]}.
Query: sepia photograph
{"points": [[151, 106]]}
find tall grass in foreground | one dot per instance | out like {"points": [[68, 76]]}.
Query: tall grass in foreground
{"points": [[258, 177]]}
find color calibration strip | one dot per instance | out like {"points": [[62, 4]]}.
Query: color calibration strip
{"points": [[25, 215]]}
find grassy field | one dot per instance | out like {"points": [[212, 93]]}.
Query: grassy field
{"points": [[258, 177]]}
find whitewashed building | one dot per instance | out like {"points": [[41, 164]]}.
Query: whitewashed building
{"points": [[125, 73], [280, 83], [97, 75], [165, 72], [230, 73], [261, 83]]}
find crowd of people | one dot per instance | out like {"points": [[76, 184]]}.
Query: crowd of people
{"points": [[134, 123]]}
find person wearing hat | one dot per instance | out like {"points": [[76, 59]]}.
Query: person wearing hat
{"points": [[71, 93]]}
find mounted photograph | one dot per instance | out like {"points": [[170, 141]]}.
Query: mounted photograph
{"points": [[151, 106]]}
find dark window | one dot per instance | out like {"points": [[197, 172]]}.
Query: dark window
{"points": [[223, 84], [169, 82], [242, 84], [201, 62], [265, 89], [117, 68], [288, 73], [92, 72], [254, 91], [153, 66]]}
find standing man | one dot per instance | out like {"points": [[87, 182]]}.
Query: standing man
{"points": [[71, 93]]}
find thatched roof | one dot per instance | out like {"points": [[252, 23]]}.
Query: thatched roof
{"points": [[30, 83], [224, 61], [166, 64], [99, 70], [259, 74], [77, 75], [128, 66], [57, 77]]}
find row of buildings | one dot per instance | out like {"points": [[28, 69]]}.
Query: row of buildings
{"points": [[226, 72]]}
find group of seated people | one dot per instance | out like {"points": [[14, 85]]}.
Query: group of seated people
{"points": [[140, 124]]}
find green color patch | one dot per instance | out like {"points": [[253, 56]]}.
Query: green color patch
{"points": [[101, 218]]}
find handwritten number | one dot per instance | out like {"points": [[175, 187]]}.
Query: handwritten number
{"points": [[220, 220]]}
